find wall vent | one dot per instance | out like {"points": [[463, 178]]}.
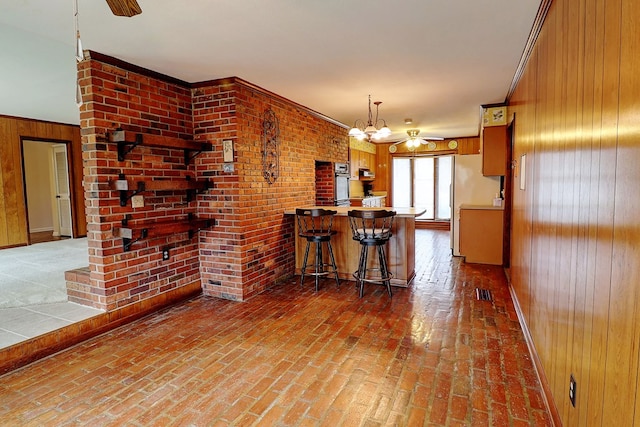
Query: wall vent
{"points": [[483, 295]]}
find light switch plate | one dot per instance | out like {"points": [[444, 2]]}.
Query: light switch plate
{"points": [[137, 201]]}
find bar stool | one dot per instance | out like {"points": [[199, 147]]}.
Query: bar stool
{"points": [[315, 226], [372, 228]]}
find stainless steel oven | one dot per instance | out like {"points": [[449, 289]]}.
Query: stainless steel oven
{"points": [[341, 184]]}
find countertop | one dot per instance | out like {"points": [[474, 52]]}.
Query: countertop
{"points": [[483, 207], [343, 210], [366, 197]]}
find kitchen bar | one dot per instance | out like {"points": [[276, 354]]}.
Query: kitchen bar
{"points": [[400, 250]]}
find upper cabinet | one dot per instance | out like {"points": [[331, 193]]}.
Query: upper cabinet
{"points": [[354, 163], [361, 160], [494, 151], [371, 162], [362, 155], [364, 160]]}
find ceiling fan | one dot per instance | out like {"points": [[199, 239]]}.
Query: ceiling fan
{"points": [[124, 7], [414, 141]]}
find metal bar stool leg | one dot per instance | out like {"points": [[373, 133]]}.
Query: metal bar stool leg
{"points": [[384, 272], [333, 263], [304, 264], [318, 263], [363, 271]]}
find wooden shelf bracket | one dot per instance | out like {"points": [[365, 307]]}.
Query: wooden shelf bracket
{"points": [[125, 147], [191, 225], [129, 188], [128, 141]]}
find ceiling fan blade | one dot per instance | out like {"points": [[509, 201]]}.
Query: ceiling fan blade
{"points": [[124, 7], [400, 142]]}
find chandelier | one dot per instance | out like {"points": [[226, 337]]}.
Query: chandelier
{"points": [[370, 131]]}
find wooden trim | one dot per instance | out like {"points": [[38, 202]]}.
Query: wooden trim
{"points": [[432, 225], [101, 57], [547, 397], [543, 10], [251, 86], [6, 116], [216, 82], [14, 130], [29, 351], [70, 174]]}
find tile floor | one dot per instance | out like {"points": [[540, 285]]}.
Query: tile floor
{"points": [[33, 293], [433, 355], [34, 274], [21, 323]]}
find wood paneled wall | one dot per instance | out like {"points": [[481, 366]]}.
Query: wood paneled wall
{"points": [[576, 233], [13, 215]]}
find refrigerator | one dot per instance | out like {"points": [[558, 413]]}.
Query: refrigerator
{"points": [[469, 187]]}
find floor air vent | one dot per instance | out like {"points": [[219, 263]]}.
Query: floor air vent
{"points": [[483, 295]]}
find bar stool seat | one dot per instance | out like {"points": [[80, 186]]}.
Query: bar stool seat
{"points": [[315, 225], [372, 228]]}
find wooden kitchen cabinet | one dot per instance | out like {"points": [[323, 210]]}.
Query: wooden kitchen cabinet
{"points": [[364, 160], [354, 163], [372, 162], [494, 151], [361, 160], [481, 234]]}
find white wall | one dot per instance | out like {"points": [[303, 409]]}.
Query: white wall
{"points": [[37, 165], [472, 188]]}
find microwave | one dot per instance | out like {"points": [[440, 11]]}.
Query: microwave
{"points": [[341, 168], [366, 174]]}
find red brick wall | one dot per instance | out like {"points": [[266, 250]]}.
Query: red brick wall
{"points": [[325, 183], [252, 246], [115, 97]]}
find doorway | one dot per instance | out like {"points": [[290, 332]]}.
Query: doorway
{"points": [[47, 190]]}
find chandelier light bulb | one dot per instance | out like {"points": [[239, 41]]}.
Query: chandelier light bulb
{"points": [[370, 131]]}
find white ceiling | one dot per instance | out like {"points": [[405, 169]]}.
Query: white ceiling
{"points": [[435, 61]]}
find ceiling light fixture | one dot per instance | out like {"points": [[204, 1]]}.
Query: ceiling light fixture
{"points": [[413, 141], [370, 131]]}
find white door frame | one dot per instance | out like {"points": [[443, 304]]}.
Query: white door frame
{"points": [[52, 182], [62, 188]]}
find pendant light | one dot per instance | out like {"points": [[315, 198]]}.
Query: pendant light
{"points": [[370, 131]]}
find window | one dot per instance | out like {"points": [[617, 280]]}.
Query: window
{"points": [[423, 182]]}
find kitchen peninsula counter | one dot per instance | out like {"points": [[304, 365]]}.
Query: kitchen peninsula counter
{"points": [[400, 249]]}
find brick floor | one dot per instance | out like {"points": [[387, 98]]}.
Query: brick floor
{"points": [[433, 355]]}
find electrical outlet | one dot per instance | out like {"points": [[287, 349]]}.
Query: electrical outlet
{"points": [[137, 201], [572, 390], [165, 254]]}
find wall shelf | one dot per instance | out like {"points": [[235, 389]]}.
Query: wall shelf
{"points": [[131, 234], [128, 141], [129, 187]]}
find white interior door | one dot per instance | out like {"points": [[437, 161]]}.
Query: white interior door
{"points": [[63, 198]]}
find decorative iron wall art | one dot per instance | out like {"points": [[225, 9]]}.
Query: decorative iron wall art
{"points": [[270, 151]]}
